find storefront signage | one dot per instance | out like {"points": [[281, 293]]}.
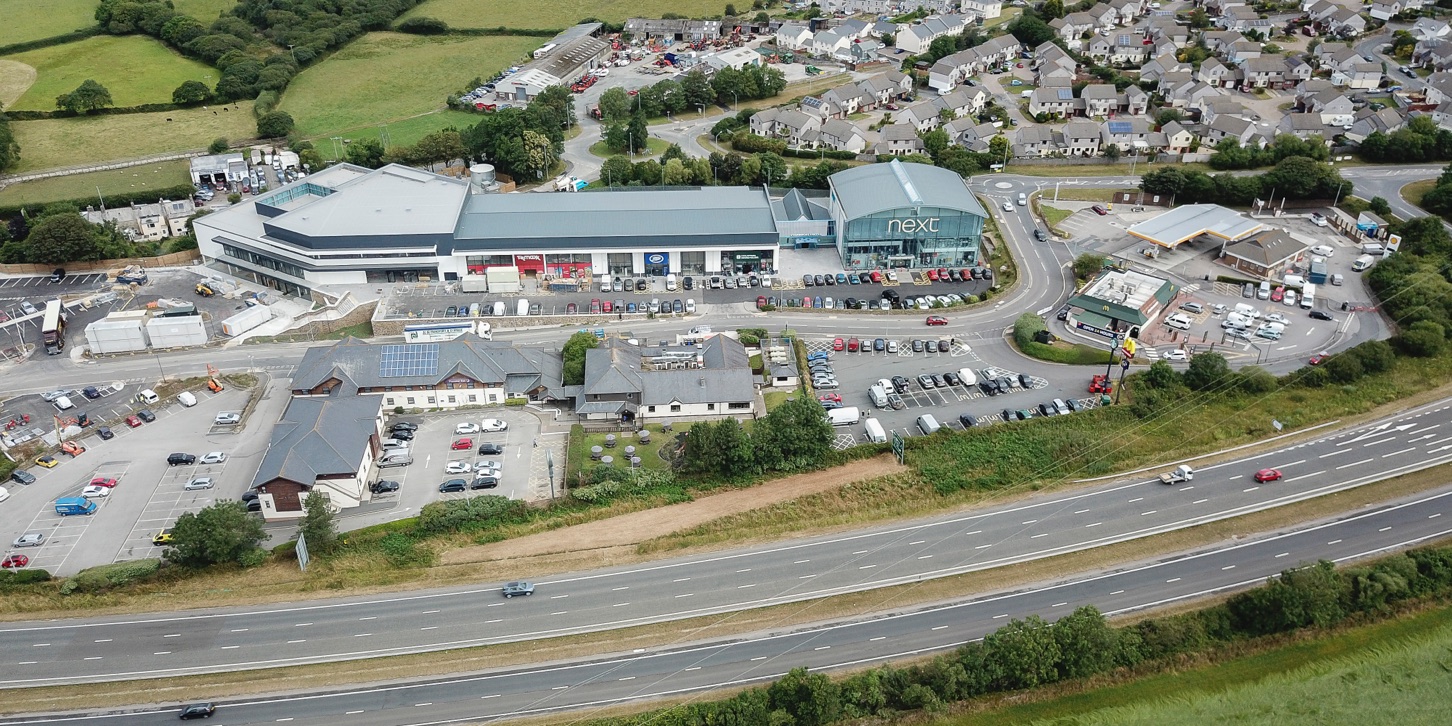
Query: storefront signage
{"points": [[910, 226], [529, 258], [746, 256], [656, 258]]}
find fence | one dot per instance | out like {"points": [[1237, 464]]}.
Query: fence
{"points": [[175, 259]]}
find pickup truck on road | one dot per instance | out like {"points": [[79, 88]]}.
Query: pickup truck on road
{"points": [[1182, 473]]}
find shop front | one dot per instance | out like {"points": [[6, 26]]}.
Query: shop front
{"points": [[923, 237], [746, 262], [569, 266], [477, 264], [530, 264], [657, 263]]}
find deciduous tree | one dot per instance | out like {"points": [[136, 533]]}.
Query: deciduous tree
{"points": [[221, 533], [318, 527], [87, 97]]}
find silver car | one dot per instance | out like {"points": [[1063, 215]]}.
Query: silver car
{"points": [[201, 482], [29, 539]]}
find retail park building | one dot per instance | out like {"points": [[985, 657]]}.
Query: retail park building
{"points": [[350, 225]]}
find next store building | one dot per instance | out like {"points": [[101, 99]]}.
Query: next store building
{"points": [[346, 225]]}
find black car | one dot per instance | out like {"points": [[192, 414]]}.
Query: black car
{"points": [[819, 280], [1024, 380], [1318, 315], [967, 420], [754, 281], [808, 281], [953, 276], [942, 346], [1047, 409], [1074, 405], [951, 379], [249, 495], [938, 381], [491, 449], [105, 433], [1063, 313], [641, 285], [484, 482], [830, 279], [900, 384], [891, 295], [917, 345], [198, 710], [402, 435], [975, 273], [146, 415], [1008, 415], [255, 505], [677, 306], [988, 386], [181, 459], [403, 426], [1041, 235], [21, 476], [1005, 384], [688, 283], [987, 273], [384, 485], [453, 485], [865, 278]]}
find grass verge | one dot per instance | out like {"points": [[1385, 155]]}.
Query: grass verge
{"points": [[558, 13], [1053, 216], [653, 147], [361, 330], [112, 181], [1099, 169], [240, 683], [28, 20], [1062, 351], [1396, 664], [204, 10], [581, 444], [134, 68], [1081, 194], [1412, 193], [66, 142], [386, 78]]}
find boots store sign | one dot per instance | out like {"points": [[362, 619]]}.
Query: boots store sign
{"points": [[912, 226]]}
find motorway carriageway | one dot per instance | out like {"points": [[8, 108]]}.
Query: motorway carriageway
{"points": [[602, 682], [129, 647]]}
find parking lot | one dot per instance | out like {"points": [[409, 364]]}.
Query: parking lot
{"points": [[148, 495], [856, 372]]}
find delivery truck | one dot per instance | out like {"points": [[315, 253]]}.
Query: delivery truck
{"points": [[66, 506]]}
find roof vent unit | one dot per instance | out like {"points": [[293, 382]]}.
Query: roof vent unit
{"points": [[482, 179]]}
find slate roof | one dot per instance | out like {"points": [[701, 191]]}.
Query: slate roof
{"points": [[319, 436], [615, 369], [356, 363], [1267, 248]]}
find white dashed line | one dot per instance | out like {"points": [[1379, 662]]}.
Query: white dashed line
{"points": [[1096, 524], [1200, 501]]}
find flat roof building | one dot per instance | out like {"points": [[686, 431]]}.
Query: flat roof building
{"points": [[905, 215], [1120, 302], [1185, 223]]}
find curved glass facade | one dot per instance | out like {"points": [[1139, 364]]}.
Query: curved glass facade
{"points": [[921, 237]]}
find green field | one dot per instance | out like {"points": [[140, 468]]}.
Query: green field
{"points": [[64, 142], [402, 133], [134, 68], [203, 10], [1390, 674], [559, 14], [35, 19], [79, 186], [391, 77]]}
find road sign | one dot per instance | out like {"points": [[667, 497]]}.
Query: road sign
{"points": [[898, 447], [302, 552]]}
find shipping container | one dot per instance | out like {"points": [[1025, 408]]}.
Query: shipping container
{"points": [[120, 332], [246, 320], [177, 331]]}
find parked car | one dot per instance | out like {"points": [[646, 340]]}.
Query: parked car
{"points": [[227, 419], [1101, 211], [453, 485]]}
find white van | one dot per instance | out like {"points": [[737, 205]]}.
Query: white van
{"points": [[1363, 262], [671, 282], [521, 308], [928, 425], [875, 434], [499, 309], [878, 394], [846, 416], [966, 375], [1308, 296], [1246, 311], [147, 396], [186, 398], [1372, 248], [1178, 321]]}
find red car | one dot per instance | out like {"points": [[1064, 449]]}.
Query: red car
{"points": [[830, 398], [1278, 294], [932, 275], [760, 302], [937, 320], [839, 344], [1319, 358], [1265, 475], [1101, 211], [102, 481], [133, 421], [876, 276], [462, 445], [853, 345], [13, 561], [942, 273], [595, 305]]}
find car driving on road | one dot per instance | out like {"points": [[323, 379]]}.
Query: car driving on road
{"points": [[520, 587]]}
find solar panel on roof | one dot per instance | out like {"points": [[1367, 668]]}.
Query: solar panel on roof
{"points": [[412, 359], [1066, 94], [1120, 127]]}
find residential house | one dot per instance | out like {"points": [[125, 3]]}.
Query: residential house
{"points": [[1136, 101], [1118, 49], [1237, 19], [1228, 127], [899, 138], [830, 42], [1429, 28], [1128, 134], [845, 100], [793, 37], [1034, 141], [800, 130], [971, 135], [1216, 74], [1100, 99], [151, 222], [1127, 10], [964, 101], [322, 446], [854, 28], [1345, 23], [1368, 122], [1305, 126], [886, 87], [1264, 72], [1072, 27], [1438, 87], [1178, 139], [952, 70], [1080, 138], [1365, 76], [985, 9], [1383, 10], [1155, 68], [1241, 51], [1105, 17], [1333, 107], [1297, 70], [1213, 107], [923, 116], [916, 38], [1435, 53], [1058, 102], [1166, 30], [842, 136]]}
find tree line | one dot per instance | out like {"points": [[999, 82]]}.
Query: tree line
{"points": [[9, 147], [1294, 177], [59, 234], [1033, 652], [794, 436]]}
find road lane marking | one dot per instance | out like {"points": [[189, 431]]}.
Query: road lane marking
{"points": [[801, 562], [925, 557], [361, 635], [1251, 489], [1117, 592], [297, 641], [431, 627], [1380, 441], [617, 589], [103, 640], [370, 617], [680, 579], [1403, 451], [1045, 534], [94, 657], [1332, 542], [1283, 554], [1383, 529], [742, 587], [1173, 579], [1152, 511], [1081, 511], [1031, 521], [1357, 463], [996, 617], [1059, 604], [867, 567], [620, 605], [1228, 567], [982, 547], [1200, 501], [1334, 453], [628, 678], [874, 640], [1096, 524], [1306, 476]]}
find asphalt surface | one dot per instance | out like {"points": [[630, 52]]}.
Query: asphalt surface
{"points": [[603, 682], [128, 647]]}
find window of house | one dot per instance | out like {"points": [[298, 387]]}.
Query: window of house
{"points": [[675, 408], [710, 407], [431, 399], [473, 398], [410, 400], [650, 409], [451, 399], [738, 406]]}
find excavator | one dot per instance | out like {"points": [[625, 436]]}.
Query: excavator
{"points": [[213, 385]]}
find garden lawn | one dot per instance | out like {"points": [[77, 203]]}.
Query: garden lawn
{"points": [[27, 20], [134, 68], [82, 186], [204, 10], [385, 78], [580, 443], [558, 14], [65, 142]]}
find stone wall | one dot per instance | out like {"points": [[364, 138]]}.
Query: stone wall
{"points": [[175, 259]]}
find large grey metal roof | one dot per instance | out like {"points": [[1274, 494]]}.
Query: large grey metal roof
{"points": [[874, 188], [356, 364], [319, 437], [618, 217], [1192, 220], [394, 200]]}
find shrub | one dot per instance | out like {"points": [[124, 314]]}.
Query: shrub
{"points": [[516, 401], [473, 513], [10, 578], [423, 26], [402, 551]]}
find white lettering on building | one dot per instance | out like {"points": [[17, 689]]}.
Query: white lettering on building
{"points": [[910, 226]]}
